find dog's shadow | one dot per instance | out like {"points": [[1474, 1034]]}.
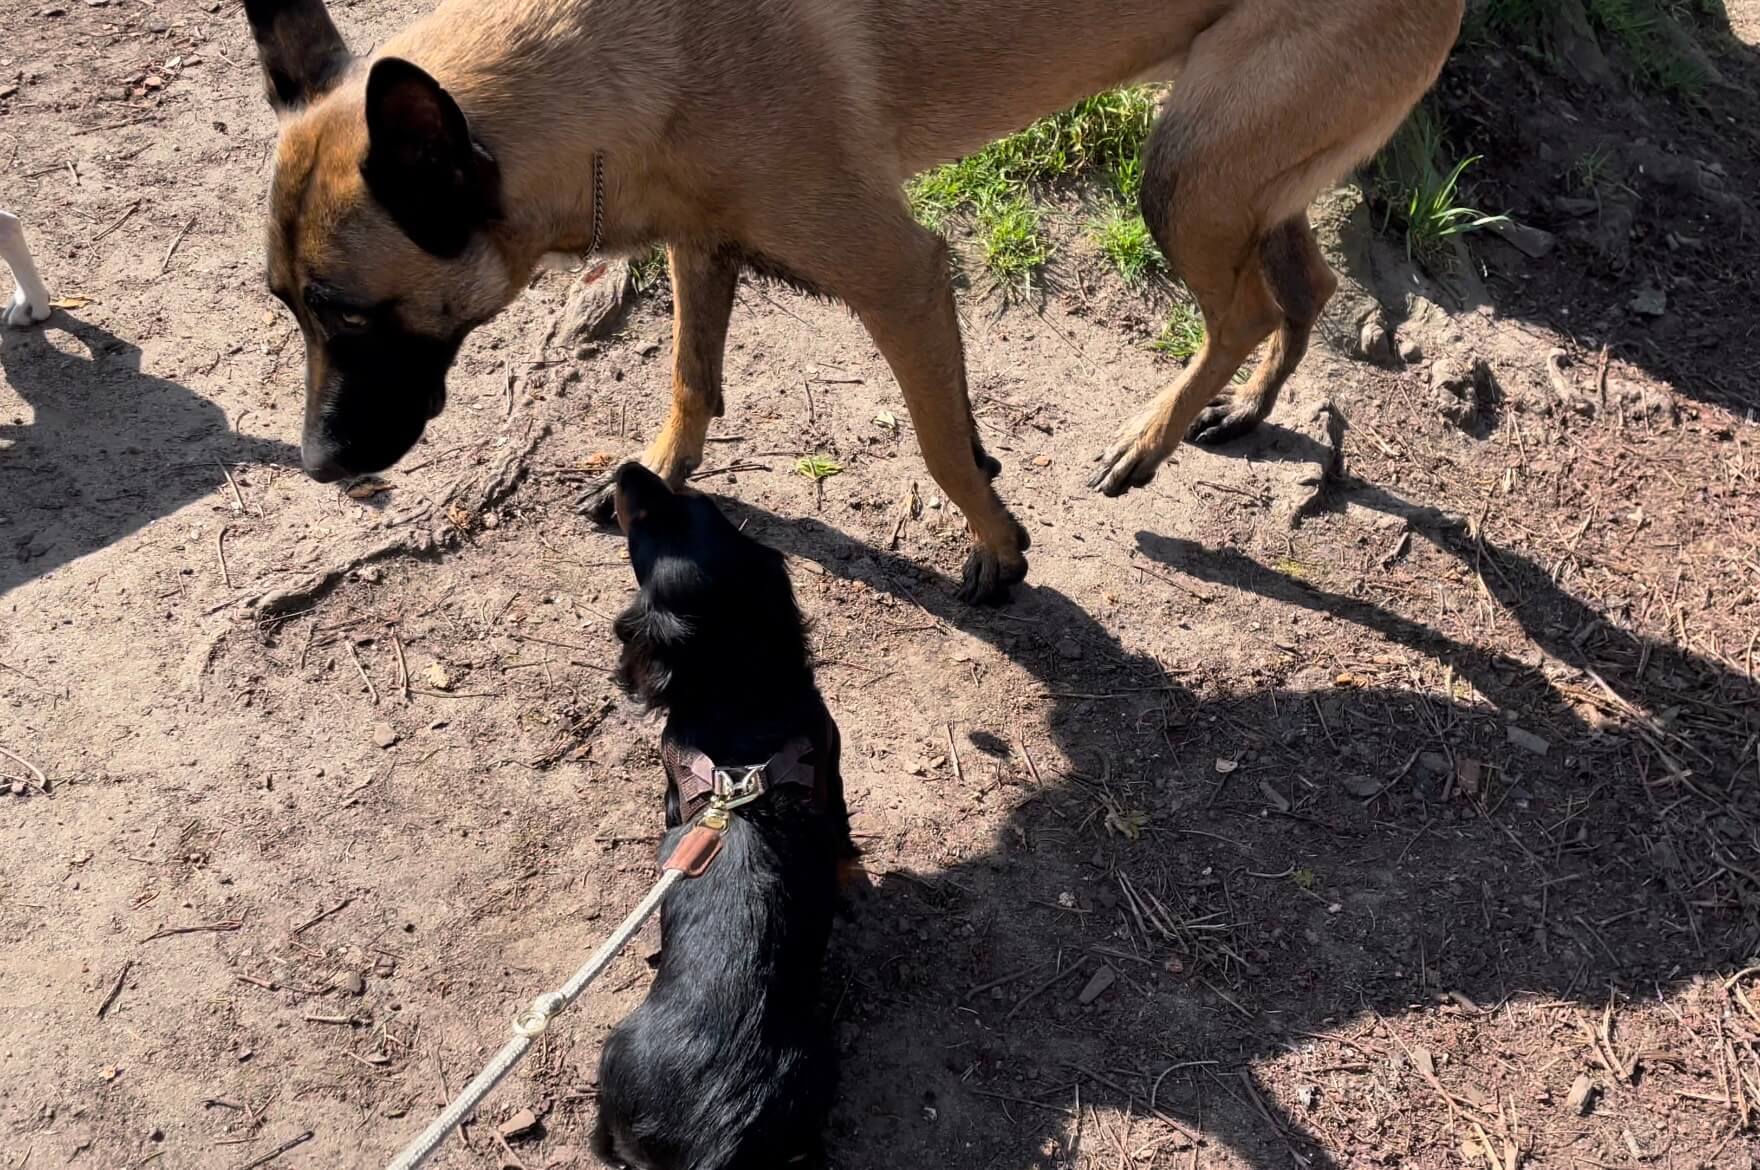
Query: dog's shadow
{"points": [[106, 450], [1313, 887]]}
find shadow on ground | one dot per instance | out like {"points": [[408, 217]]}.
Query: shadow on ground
{"points": [[1373, 848], [109, 449]]}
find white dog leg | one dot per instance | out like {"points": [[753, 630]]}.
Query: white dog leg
{"points": [[30, 301]]}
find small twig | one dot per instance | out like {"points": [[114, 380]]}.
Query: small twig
{"points": [[215, 927], [1142, 568], [237, 496], [165, 264], [358, 665], [1045, 986], [402, 666], [220, 548], [132, 208], [41, 784], [340, 1021], [279, 1150], [959, 773], [311, 922], [115, 988], [812, 412]]}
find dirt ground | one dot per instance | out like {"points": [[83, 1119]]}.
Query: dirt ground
{"points": [[1378, 791]]}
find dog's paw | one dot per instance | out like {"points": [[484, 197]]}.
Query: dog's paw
{"points": [[1225, 419], [599, 502], [22, 312], [1129, 463], [989, 577]]}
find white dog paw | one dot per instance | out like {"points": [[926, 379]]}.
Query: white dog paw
{"points": [[22, 312]]}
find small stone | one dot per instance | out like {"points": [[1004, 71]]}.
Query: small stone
{"points": [[1373, 341], [154, 81], [351, 983], [384, 735], [1528, 741], [7, 91], [18, 788], [1097, 985], [649, 348], [1434, 762], [491, 520], [1582, 1089], [1038, 460], [1410, 352], [1650, 301], [384, 968], [521, 1124], [157, 26]]}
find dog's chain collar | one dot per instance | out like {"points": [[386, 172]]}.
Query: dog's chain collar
{"points": [[598, 203]]}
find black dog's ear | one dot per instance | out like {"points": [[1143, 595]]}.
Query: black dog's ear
{"points": [[643, 498], [651, 639], [302, 54], [422, 164]]}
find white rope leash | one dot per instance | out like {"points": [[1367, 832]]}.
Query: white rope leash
{"points": [[528, 1026]]}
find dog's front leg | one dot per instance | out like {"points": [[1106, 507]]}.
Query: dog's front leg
{"points": [[899, 288], [30, 301], [703, 283]]}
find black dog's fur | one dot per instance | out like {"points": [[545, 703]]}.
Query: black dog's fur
{"points": [[726, 1066]]}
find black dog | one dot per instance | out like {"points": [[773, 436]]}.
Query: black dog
{"points": [[727, 1065]]}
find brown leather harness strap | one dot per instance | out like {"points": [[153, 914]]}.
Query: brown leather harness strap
{"points": [[693, 855]]}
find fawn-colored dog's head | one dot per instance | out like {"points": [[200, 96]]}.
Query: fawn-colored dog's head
{"points": [[382, 219]]}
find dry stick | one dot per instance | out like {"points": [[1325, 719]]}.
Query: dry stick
{"points": [[1025, 999], [309, 923], [220, 547], [237, 496], [165, 264], [132, 208], [42, 782], [402, 666], [371, 689], [959, 773], [1006, 979], [216, 927], [279, 1150], [115, 988], [1142, 568]]}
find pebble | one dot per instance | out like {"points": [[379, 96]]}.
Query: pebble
{"points": [[384, 735], [1097, 985], [519, 1125], [351, 983], [1528, 741]]}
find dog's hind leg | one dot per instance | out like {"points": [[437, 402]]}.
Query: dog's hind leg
{"points": [[703, 282], [1265, 116], [30, 301], [1301, 283]]}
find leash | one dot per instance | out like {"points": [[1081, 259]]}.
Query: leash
{"points": [[689, 859]]}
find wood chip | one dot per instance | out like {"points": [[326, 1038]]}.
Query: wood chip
{"points": [[1097, 985], [1577, 1100]]}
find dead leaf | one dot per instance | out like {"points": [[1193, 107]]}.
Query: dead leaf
{"points": [[366, 489], [886, 421], [460, 518], [70, 302], [598, 461], [438, 678]]}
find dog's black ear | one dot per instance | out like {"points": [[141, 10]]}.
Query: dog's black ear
{"points": [[422, 164], [644, 499], [302, 53]]}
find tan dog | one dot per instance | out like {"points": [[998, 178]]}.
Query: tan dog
{"points": [[415, 194]]}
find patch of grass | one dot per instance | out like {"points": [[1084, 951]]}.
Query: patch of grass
{"points": [[1642, 28], [1102, 135], [1425, 200], [1592, 172], [1125, 240], [1015, 248], [1183, 335], [648, 269], [817, 467]]}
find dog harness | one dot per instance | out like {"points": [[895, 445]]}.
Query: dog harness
{"points": [[696, 778]]}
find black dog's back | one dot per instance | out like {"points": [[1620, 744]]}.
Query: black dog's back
{"points": [[726, 1065]]}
